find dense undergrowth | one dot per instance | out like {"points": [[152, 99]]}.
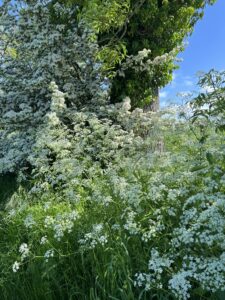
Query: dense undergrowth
{"points": [[98, 200], [148, 225]]}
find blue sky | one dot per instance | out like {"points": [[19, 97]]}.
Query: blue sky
{"points": [[205, 50]]}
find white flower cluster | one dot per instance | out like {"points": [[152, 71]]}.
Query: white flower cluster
{"points": [[200, 229], [48, 254], [44, 240], [180, 285], [95, 237], [142, 62], [58, 99], [29, 221], [16, 266], [24, 252], [62, 223], [156, 266], [130, 224]]}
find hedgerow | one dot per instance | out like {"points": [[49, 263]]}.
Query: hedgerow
{"points": [[109, 203]]}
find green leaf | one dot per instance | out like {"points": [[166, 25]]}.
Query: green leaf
{"points": [[209, 158]]}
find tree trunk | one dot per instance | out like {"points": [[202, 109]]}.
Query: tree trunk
{"points": [[154, 105]]}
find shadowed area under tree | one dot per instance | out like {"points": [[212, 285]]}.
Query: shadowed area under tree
{"points": [[8, 186]]}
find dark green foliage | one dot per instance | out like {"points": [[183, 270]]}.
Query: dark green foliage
{"points": [[8, 186], [160, 26]]}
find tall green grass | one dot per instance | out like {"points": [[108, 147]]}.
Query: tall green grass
{"points": [[154, 187]]}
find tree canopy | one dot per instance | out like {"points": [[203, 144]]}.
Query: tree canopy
{"points": [[124, 27], [127, 27]]}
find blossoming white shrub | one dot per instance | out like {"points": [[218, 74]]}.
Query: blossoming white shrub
{"points": [[51, 81], [36, 54]]}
